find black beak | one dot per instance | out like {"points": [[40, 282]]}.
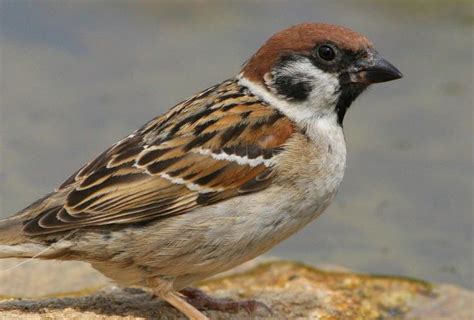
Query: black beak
{"points": [[374, 69], [381, 71]]}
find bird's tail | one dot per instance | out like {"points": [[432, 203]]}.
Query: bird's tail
{"points": [[11, 231], [13, 242]]}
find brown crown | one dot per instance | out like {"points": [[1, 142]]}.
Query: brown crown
{"points": [[300, 38]]}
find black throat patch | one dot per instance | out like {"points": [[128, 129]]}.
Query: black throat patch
{"points": [[349, 93]]}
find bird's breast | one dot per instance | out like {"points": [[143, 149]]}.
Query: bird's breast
{"points": [[312, 166]]}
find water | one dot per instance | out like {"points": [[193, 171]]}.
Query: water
{"points": [[77, 77]]}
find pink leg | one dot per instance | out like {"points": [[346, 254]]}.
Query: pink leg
{"points": [[200, 300]]}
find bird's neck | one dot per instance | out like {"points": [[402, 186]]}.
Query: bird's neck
{"points": [[307, 115]]}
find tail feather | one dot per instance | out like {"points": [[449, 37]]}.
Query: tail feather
{"points": [[12, 240], [11, 232], [28, 250], [14, 243]]}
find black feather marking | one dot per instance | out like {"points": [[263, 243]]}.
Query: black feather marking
{"points": [[267, 174], [193, 118], [32, 226], [208, 178], [253, 151], [128, 142], [160, 166], [232, 132], [274, 118], [229, 96], [232, 105], [101, 160], [213, 197], [256, 184], [292, 87], [152, 155], [65, 216], [230, 150], [245, 115], [128, 154], [190, 176], [50, 220], [203, 126], [199, 140], [267, 121], [204, 198], [97, 175], [77, 196], [179, 171], [268, 153], [84, 205]]}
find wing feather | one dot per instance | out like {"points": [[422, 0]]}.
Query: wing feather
{"points": [[219, 144]]}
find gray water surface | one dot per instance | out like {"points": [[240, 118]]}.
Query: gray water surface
{"points": [[77, 76]]}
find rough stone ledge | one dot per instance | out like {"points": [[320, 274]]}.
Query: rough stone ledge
{"points": [[292, 290]]}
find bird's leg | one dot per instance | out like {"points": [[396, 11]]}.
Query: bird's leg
{"points": [[179, 303], [165, 291], [202, 301]]}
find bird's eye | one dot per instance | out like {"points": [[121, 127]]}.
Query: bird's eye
{"points": [[326, 53]]}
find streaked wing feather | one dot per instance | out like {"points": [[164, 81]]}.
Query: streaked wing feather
{"points": [[216, 145]]}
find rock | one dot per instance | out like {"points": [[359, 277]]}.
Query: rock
{"points": [[291, 290], [40, 278]]}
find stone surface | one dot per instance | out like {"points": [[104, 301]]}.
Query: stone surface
{"points": [[292, 290]]}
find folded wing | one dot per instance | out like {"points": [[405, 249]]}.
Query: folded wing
{"points": [[217, 145]]}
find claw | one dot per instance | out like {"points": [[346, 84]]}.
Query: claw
{"points": [[202, 301]]}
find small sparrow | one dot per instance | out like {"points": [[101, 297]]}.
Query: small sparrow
{"points": [[217, 180]]}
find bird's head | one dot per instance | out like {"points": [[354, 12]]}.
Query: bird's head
{"points": [[321, 67]]}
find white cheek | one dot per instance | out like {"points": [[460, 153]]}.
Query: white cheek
{"points": [[325, 91], [325, 85]]}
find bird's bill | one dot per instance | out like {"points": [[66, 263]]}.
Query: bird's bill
{"points": [[374, 69]]}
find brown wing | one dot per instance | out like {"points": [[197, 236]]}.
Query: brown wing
{"points": [[217, 145]]}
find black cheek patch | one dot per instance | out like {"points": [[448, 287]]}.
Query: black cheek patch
{"points": [[291, 87]]}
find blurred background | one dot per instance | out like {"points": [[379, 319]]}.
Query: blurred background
{"points": [[78, 75]]}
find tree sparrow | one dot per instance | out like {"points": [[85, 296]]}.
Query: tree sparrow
{"points": [[217, 180]]}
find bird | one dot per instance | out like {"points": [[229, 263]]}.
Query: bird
{"points": [[217, 180]]}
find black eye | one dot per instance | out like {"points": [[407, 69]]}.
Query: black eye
{"points": [[327, 53]]}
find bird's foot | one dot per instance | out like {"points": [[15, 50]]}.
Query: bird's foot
{"points": [[202, 301]]}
